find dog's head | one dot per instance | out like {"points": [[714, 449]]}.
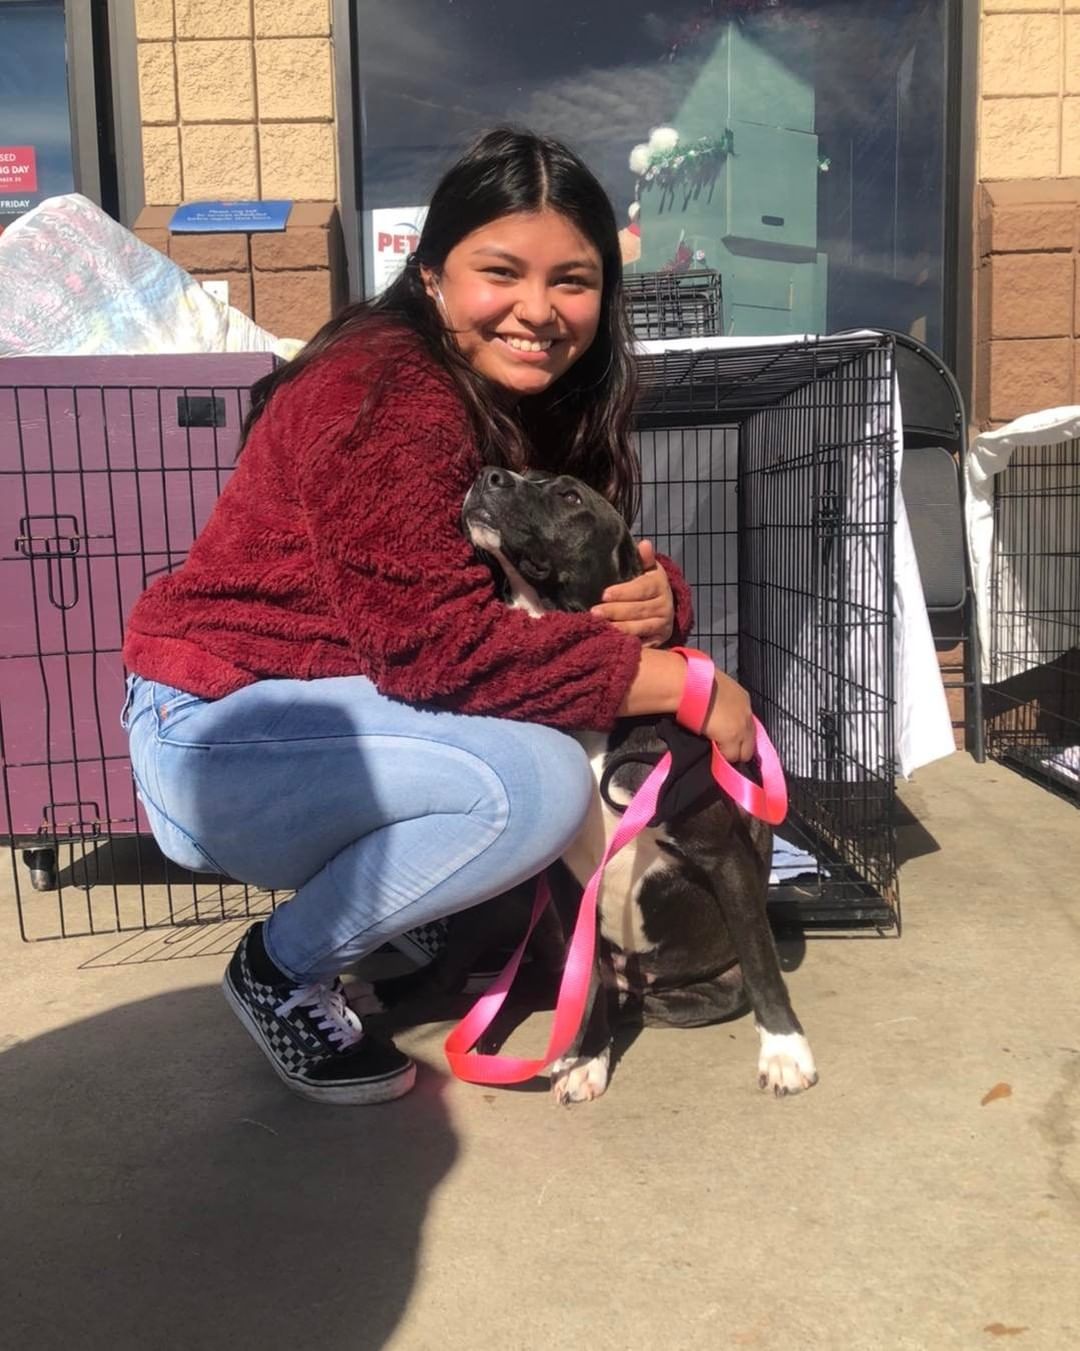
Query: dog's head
{"points": [[558, 542]]}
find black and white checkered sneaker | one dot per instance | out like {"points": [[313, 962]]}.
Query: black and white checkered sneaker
{"points": [[314, 1041], [424, 943]]}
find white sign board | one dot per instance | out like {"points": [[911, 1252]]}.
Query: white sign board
{"points": [[395, 233]]}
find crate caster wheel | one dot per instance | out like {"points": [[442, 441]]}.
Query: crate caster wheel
{"points": [[42, 865]]}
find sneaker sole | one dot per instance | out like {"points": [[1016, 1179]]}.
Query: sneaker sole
{"points": [[392, 1086]]}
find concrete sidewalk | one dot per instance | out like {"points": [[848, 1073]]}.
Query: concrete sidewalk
{"points": [[159, 1189]]}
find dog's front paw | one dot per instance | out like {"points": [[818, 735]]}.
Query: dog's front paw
{"points": [[786, 1063], [581, 1079]]}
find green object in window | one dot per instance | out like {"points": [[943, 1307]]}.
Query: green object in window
{"points": [[753, 216]]}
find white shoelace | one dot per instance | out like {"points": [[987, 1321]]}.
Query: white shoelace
{"points": [[329, 1009]]}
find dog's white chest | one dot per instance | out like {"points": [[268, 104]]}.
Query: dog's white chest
{"points": [[621, 920]]}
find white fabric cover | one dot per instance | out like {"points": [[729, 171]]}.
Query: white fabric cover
{"points": [[75, 283], [1026, 589], [923, 723]]}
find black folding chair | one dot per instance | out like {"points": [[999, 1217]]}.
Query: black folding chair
{"points": [[932, 481]]}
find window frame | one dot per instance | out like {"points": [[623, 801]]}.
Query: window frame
{"points": [[108, 53]]}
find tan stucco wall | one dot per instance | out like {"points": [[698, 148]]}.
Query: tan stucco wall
{"points": [[236, 99], [1027, 245], [1029, 89]]}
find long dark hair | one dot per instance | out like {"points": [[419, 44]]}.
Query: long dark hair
{"points": [[580, 425]]}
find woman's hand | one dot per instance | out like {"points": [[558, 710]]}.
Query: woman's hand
{"points": [[729, 722], [643, 606], [658, 687]]}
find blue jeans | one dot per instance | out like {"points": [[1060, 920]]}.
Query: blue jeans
{"points": [[381, 816]]}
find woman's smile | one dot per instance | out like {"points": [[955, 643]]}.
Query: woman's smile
{"points": [[527, 349]]}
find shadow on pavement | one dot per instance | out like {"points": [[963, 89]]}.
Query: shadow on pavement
{"points": [[160, 1188], [913, 840]]}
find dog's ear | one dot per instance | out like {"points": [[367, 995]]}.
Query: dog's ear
{"points": [[627, 558]]}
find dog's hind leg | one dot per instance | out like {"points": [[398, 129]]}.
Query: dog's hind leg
{"points": [[699, 1003]]}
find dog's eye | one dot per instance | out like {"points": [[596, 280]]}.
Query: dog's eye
{"points": [[571, 496]]}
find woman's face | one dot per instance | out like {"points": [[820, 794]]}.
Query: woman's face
{"points": [[522, 298]]}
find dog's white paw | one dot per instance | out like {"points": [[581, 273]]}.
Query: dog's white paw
{"points": [[581, 1079], [786, 1063]]}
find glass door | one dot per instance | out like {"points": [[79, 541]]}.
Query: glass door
{"points": [[35, 118]]}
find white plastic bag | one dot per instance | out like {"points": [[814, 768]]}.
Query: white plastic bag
{"points": [[75, 283]]}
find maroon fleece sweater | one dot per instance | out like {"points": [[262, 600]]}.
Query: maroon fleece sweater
{"points": [[336, 549]]}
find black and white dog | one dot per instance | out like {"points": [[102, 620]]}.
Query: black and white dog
{"points": [[684, 938]]}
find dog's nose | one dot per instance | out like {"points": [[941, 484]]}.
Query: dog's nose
{"points": [[491, 479]]}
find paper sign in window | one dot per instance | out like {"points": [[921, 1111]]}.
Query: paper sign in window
{"points": [[18, 169]]}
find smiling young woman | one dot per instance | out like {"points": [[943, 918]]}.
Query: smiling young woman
{"points": [[328, 696]]}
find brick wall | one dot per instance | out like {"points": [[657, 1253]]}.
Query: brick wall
{"points": [[1025, 256], [1029, 89], [236, 99], [1027, 316], [289, 282]]}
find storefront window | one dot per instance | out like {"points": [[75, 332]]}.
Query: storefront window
{"points": [[810, 155], [35, 121]]}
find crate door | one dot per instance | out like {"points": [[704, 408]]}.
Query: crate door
{"points": [[103, 489], [816, 625]]}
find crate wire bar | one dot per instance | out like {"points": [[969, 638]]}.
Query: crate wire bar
{"points": [[1032, 704], [103, 486]]}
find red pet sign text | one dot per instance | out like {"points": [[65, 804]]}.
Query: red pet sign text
{"points": [[18, 169]]}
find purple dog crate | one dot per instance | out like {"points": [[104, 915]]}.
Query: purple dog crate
{"points": [[108, 468]]}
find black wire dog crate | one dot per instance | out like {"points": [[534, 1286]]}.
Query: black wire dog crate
{"points": [[1032, 703], [769, 475], [675, 304], [108, 468]]}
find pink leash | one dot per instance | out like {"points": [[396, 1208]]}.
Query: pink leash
{"points": [[768, 802]]}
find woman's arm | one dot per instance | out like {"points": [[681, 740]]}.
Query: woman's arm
{"points": [[683, 625], [382, 512], [657, 688]]}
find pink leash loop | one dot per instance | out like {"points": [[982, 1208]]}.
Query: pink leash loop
{"points": [[769, 802]]}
